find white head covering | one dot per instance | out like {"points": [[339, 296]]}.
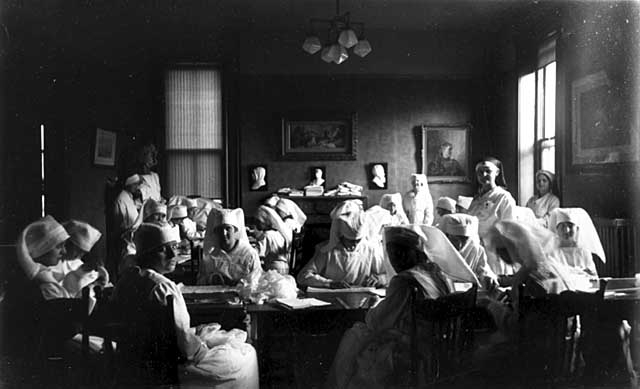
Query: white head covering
{"points": [[190, 203], [588, 237], [271, 218], [288, 207], [376, 218], [419, 177], [464, 201], [259, 173], [447, 203], [151, 207], [392, 198], [43, 235], [272, 201], [459, 224], [436, 246], [35, 240], [348, 220], [150, 236], [527, 244], [132, 179], [218, 217], [176, 212], [524, 215], [82, 234]]}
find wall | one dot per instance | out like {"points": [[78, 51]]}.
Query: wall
{"points": [[388, 111], [600, 36]]}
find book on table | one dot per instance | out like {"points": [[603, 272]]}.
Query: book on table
{"points": [[296, 303], [381, 292]]}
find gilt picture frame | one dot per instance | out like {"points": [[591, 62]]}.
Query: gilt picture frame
{"points": [[446, 152], [319, 136]]}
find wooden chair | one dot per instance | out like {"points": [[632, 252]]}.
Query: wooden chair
{"points": [[555, 332], [441, 336], [296, 251], [147, 351]]}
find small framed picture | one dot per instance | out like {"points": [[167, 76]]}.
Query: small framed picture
{"points": [[377, 175], [258, 178], [104, 150], [317, 175]]}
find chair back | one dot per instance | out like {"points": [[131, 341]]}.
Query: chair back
{"points": [[296, 250], [554, 330], [441, 335]]}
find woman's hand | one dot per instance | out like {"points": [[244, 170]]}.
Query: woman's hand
{"points": [[339, 285], [377, 281]]}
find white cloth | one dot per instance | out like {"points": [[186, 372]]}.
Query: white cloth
{"points": [[395, 199], [542, 207], [150, 186], [575, 257], [82, 234], [497, 204], [291, 213], [64, 267], [418, 207], [229, 364], [125, 212]]}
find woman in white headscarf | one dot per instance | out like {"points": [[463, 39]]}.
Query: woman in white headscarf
{"points": [[291, 214], [462, 232], [228, 256], [348, 259], [579, 240], [544, 200], [273, 239], [491, 203], [392, 202], [376, 353], [83, 237], [418, 203], [214, 358], [38, 305], [150, 180]]}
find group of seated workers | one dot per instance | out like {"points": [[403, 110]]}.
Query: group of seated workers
{"points": [[52, 256]]}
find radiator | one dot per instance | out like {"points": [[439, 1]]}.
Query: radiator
{"points": [[620, 242]]}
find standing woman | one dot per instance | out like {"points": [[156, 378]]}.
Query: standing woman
{"points": [[492, 203], [544, 200], [418, 202], [150, 185]]}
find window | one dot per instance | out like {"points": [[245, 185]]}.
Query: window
{"points": [[194, 138], [536, 120], [42, 187]]}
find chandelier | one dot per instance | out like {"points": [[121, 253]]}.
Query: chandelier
{"points": [[342, 34]]}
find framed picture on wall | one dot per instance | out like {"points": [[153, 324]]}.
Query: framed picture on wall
{"points": [[377, 175], [600, 123], [104, 148], [446, 152], [258, 178], [319, 136]]}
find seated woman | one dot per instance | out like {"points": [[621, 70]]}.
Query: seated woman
{"points": [[418, 203], [579, 240], [226, 364], [39, 307], [393, 204], [177, 215], [492, 203], [376, 353], [444, 206], [273, 239], [83, 237], [348, 259], [462, 232], [544, 200], [291, 214], [228, 256]]}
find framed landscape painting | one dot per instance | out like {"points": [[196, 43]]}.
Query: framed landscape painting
{"points": [[319, 136]]}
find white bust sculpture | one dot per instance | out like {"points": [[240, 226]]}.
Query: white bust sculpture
{"points": [[317, 179], [258, 176], [379, 175]]}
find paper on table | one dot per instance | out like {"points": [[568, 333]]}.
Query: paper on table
{"points": [[296, 303], [207, 289], [363, 289]]}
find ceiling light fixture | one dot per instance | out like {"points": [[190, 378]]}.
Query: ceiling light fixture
{"points": [[342, 34]]}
